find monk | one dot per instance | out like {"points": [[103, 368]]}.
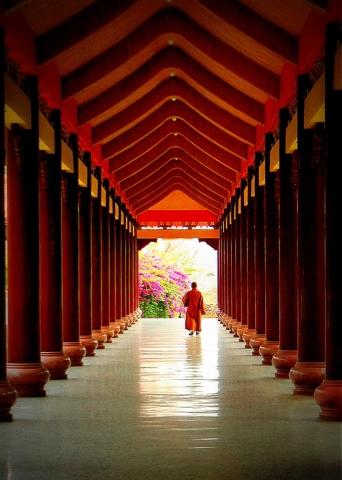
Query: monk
{"points": [[193, 300]]}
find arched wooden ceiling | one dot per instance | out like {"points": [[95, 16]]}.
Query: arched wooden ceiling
{"points": [[173, 90]]}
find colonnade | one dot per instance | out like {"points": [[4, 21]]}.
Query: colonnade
{"points": [[72, 256], [280, 254]]}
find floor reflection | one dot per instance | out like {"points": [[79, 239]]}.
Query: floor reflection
{"points": [[179, 376]]}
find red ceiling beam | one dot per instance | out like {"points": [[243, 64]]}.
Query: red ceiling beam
{"points": [[198, 43], [79, 27], [189, 184], [232, 163], [126, 92], [149, 185], [147, 145], [255, 27], [198, 122], [198, 197], [130, 118], [136, 181]]}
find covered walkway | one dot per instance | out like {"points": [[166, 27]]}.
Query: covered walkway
{"points": [[157, 404]]}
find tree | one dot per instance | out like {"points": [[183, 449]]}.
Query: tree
{"points": [[162, 286]]}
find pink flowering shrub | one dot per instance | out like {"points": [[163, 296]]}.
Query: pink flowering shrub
{"points": [[161, 287]]}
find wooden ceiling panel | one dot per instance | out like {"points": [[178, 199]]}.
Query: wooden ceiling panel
{"points": [[173, 91]]}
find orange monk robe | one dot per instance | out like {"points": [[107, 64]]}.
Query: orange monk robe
{"points": [[194, 311]]}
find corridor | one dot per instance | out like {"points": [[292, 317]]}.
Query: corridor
{"points": [[158, 404]]}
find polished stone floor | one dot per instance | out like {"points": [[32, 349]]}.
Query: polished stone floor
{"points": [[157, 404]]}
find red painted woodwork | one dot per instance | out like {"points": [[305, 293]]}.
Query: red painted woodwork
{"points": [[177, 24], [86, 337], [119, 264], [50, 235], [96, 267], [247, 335], [243, 264], [271, 229], [259, 258], [8, 394], [329, 394], [286, 356], [308, 372], [25, 372], [70, 280], [214, 171], [105, 269], [176, 216]]}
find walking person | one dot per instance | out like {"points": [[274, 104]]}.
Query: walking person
{"points": [[193, 300]]}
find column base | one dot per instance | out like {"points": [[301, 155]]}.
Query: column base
{"points": [[126, 322], [283, 361], [267, 350], [116, 328], [8, 397], [329, 397], [235, 327], [90, 344], [101, 338], [256, 341], [109, 333], [75, 351], [57, 363], [247, 335], [29, 379], [230, 324], [123, 326], [307, 376], [240, 331]]}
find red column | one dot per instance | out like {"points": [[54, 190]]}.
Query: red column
{"points": [[105, 267], [70, 282], [25, 371], [124, 264], [52, 355], [259, 260], [229, 265], [96, 270], [329, 394], [247, 335], [136, 259], [112, 267], [237, 278], [286, 356], [271, 344], [232, 263], [119, 265], [84, 238], [8, 394], [308, 372], [243, 262]]}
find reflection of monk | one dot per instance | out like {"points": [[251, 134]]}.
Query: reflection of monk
{"points": [[194, 301]]}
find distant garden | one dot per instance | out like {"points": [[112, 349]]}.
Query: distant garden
{"points": [[166, 270]]}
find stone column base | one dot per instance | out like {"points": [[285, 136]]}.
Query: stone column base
{"points": [[240, 331], [29, 379], [57, 363], [256, 341], [247, 335], [75, 351], [115, 326], [234, 328], [267, 350], [90, 344], [8, 397], [109, 332], [329, 397], [101, 338], [283, 361], [307, 376]]}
